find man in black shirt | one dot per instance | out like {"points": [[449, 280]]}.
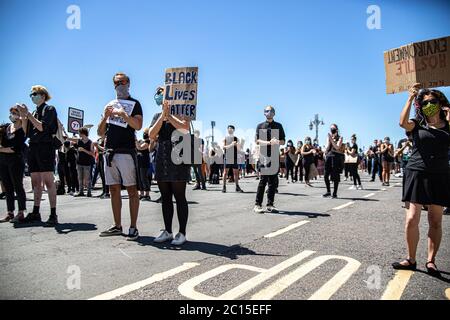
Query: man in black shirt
{"points": [[376, 161], [269, 136], [42, 125], [121, 118]]}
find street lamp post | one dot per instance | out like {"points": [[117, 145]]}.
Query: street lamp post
{"points": [[213, 124], [316, 123]]}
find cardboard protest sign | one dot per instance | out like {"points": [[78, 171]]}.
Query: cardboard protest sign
{"points": [[75, 120], [181, 91], [127, 105], [426, 62]]}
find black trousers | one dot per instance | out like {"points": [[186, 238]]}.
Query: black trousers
{"points": [[333, 170], [290, 170], [12, 167], [62, 174], [307, 167], [200, 179], [353, 169], [73, 173], [272, 181], [299, 170], [101, 171], [376, 168]]}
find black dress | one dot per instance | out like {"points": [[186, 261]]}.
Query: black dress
{"points": [[426, 179], [165, 169]]}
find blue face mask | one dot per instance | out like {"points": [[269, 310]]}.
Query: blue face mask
{"points": [[159, 99]]}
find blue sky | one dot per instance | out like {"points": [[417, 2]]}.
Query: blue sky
{"points": [[303, 57]]}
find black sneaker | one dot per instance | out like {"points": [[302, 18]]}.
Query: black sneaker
{"points": [[113, 231], [32, 217], [133, 234], [327, 195], [272, 209], [224, 190], [334, 196], [3, 195], [204, 188], [238, 189], [89, 194], [197, 187], [52, 220], [79, 194]]}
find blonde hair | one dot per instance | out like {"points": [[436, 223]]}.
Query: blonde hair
{"points": [[41, 90]]}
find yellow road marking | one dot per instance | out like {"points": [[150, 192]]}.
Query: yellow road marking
{"points": [[447, 293], [396, 286]]}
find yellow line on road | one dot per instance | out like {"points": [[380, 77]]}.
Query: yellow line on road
{"points": [[396, 286], [447, 293]]}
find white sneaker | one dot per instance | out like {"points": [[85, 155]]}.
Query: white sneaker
{"points": [[163, 237], [352, 188], [258, 209], [179, 239]]}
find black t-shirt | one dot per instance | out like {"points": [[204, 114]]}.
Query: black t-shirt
{"points": [[83, 158], [165, 133], [264, 132], [15, 140], [49, 118], [123, 138], [231, 153], [430, 149]]}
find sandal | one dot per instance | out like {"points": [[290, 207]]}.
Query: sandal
{"points": [[411, 266], [432, 271]]}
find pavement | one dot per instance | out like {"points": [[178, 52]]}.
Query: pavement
{"points": [[315, 248]]}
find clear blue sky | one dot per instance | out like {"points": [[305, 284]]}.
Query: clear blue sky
{"points": [[303, 57]]}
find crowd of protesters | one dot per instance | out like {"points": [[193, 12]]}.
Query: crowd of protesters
{"points": [[122, 161]]}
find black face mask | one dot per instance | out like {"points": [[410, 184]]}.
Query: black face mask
{"points": [[145, 136], [333, 131]]}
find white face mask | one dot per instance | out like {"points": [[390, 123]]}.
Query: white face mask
{"points": [[13, 118]]}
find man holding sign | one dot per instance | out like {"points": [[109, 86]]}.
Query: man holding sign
{"points": [[121, 118]]}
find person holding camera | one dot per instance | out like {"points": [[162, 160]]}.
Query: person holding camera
{"points": [[426, 179], [12, 165], [42, 127], [387, 159]]}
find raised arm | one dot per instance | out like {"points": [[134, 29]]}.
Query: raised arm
{"points": [[405, 122]]}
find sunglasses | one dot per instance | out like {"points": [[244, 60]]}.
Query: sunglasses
{"points": [[120, 82], [432, 101], [33, 94], [268, 111]]}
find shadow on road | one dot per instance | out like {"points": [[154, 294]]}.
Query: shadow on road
{"points": [[300, 213], [359, 199], [65, 228], [231, 252], [440, 277], [292, 194]]}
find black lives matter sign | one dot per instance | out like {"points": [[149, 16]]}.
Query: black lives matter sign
{"points": [[181, 91]]}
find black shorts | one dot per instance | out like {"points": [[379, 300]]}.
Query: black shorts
{"points": [[232, 166], [41, 158]]}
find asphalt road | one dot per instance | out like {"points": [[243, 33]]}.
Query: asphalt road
{"points": [[331, 249]]}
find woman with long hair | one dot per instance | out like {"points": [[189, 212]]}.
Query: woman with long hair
{"points": [[308, 152], [353, 162], [426, 179], [334, 162]]}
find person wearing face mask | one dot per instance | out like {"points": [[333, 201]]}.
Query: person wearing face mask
{"points": [[42, 126], [172, 178], [85, 160], [308, 153], [426, 179], [333, 162], [269, 136], [290, 159], [198, 146], [12, 165], [143, 156], [353, 162], [387, 158], [121, 118], [298, 170], [231, 147]]}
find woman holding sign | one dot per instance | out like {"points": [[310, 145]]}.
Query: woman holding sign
{"points": [[172, 178], [426, 179]]}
